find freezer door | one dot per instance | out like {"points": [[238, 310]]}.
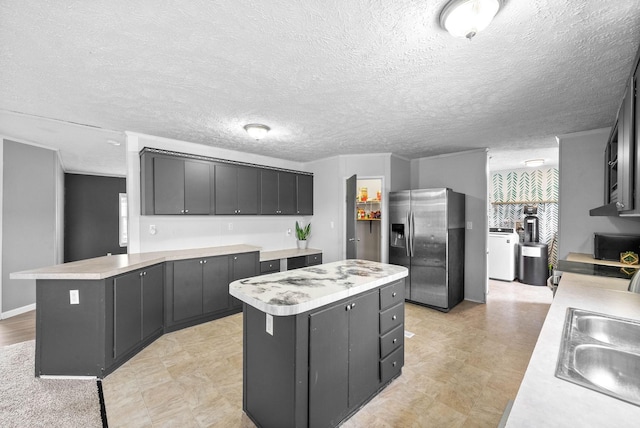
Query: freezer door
{"points": [[399, 206], [429, 247]]}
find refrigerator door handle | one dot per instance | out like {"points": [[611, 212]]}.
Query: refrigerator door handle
{"points": [[407, 240], [413, 233]]}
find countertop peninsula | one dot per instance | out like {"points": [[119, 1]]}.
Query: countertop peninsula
{"points": [[108, 266], [293, 292], [545, 400]]}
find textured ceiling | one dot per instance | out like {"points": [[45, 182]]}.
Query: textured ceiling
{"points": [[329, 77]]}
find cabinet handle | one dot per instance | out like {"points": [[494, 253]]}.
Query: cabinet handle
{"points": [[394, 317], [204, 261], [395, 340], [238, 211], [394, 294], [181, 211], [141, 273], [348, 308], [353, 305], [619, 205], [394, 364], [235, 257], [186, 211]]}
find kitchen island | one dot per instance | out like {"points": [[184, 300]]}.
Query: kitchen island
{"points": [[321, 341]]}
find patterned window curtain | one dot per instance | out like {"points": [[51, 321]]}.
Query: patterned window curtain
{"points": [[512, 190]]}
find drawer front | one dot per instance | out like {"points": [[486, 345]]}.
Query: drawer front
{"points": [[314, 259], [391, 318], [391, 294], [270, 266], [391, 341], [392, 365]]}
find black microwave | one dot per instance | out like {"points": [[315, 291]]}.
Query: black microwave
{"points": [[608, 246]]}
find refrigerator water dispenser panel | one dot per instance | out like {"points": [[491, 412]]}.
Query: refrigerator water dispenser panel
{"points": [[397, 235]]}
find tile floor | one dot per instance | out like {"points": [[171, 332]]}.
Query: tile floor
{"points": [[461, 369]]}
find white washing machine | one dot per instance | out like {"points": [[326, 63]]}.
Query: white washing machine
{"points": [[503, 253]]}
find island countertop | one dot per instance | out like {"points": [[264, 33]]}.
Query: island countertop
{"points": [[108, 266], [293, 292]]}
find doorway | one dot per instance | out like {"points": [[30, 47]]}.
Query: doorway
{"points": [[364, 218]]}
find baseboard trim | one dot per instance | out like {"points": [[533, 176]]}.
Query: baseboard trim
{"points": [[17, 311]]}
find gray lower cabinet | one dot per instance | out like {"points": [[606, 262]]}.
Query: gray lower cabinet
{"points": [[243, 265], [198, 289], [137, 308], [304, 261], [343, 359], [236, 190], [319, 367]]}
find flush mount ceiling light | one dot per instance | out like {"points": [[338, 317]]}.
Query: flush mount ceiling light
{"points": [[256, 130], [113, 142], [534, 162], [466, 18]]}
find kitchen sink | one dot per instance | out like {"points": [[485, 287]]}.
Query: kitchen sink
{"points": [[602, 353]]}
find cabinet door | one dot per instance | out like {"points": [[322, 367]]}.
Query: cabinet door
{"points": [[187, 289], [286, 193], [152, 300], [215, 284], [304, 193], [363, 348], [226, 189], [269, 192], [242, 266], [127, 306], [197, 187], [247, 190], [168, 185], [329, 365]]}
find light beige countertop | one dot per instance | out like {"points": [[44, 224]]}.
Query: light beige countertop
{"points": [[285, 254], [544, 400], [107, 266], [588, 258]]}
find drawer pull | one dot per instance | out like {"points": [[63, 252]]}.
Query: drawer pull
{"points": [[353, 305], [394, 294], [394, 364], [395, 340], [394, 317], [348, 308]]}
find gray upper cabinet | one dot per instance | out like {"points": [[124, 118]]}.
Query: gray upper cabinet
{"points": [[172, 185], [178, 184], [304, 194], [277, 192], [236, 190]]}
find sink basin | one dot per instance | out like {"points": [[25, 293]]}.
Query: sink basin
{"points": [[613, 331], [609, 368], [602, 353]]}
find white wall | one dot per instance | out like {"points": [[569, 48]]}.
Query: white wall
{"points": [[466, 173], [581, 189], [180, 232]]}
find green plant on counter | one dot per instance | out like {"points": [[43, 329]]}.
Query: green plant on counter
{"points": [[303, 232]]}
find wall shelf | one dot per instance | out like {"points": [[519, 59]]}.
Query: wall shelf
{"points": [[525, 202]]}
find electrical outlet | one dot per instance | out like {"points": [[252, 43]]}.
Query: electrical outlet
{"points": [[469, 225], [152, 229], [269, 324], [74, 297], [332, 225], [288, 232]]}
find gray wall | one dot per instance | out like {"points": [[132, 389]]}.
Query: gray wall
{"points": [[30, 218], [582, 188], [466, 173]]}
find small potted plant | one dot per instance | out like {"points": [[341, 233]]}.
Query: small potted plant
{"points": [[302, 233]]}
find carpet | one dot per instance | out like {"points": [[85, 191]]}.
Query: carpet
{"points": [[28, 401]]}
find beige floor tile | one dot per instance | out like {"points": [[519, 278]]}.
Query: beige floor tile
{"points": [[461, 368]]}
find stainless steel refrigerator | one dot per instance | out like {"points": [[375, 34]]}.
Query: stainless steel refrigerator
{"points": [[427, 236]]}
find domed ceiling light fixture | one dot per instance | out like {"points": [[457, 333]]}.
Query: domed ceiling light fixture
{"points": [[466, 18], [256, 130], [534, 162]]}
